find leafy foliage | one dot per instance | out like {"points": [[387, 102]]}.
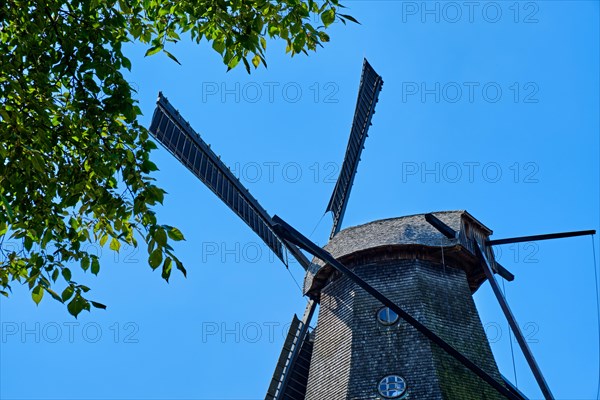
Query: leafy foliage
{"points": [[74, 162]]}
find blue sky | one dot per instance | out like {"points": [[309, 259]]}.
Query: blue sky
{"points": [[493, 109]]}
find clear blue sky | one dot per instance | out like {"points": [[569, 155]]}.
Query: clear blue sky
{"points": [[520, 152]]}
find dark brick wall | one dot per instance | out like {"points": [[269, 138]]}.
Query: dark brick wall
{"points": [[353, 352]]}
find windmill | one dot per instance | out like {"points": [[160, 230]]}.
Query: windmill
{"points": [[397, 318]]}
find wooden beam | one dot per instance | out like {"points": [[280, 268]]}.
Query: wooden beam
{"points": [[539, 237], [503, 272], [512, 322], [440, 226]]}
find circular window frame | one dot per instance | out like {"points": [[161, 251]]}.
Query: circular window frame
{"points": [[399, 396], [386, 322]]}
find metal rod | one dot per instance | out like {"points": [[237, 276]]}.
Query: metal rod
{"points": [[288, 232], [538, 237], [440, 226], [514, 326]]}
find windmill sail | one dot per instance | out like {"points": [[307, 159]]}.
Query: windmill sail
{"points": [[370, 86], [291, 373], [178, 137]]}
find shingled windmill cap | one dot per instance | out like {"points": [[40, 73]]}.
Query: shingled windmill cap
{"points": [[401, 238]]}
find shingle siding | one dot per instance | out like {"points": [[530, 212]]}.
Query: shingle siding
{"points": [[333, 343], [353, 352]]}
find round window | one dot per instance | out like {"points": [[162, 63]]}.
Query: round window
{"points": [[387, 316], [392, 387]]}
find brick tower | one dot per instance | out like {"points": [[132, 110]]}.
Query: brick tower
{"points": [[363, 351]]}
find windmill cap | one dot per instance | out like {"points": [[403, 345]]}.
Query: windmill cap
{"points": [[402, 238]]}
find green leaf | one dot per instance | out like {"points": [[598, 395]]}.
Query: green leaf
{"points": [[7, 207], [27, 243], [256, 61], [95, 266], [246, 65], [54, 295], [155, 194], [84, 288], [161, 237], [273, 30], [299, 43], [149, 166], [219, 46], [171, 56], [67, 293], [85, 263], [166, 268], [153, 50], [328, 17], [124, 6], [37, 293], [77, 305], [180, 267], [115, 244], [103, 239], [155, 258], [66, 273], [349, 18], [233, 62], [175, 234], [98, 305], [126, 63]]}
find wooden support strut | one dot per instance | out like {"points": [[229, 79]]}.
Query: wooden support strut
{"points": [[283, 229], [503, 272], [537, 373], [538, 237], [451, 234], [440, 226]]}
